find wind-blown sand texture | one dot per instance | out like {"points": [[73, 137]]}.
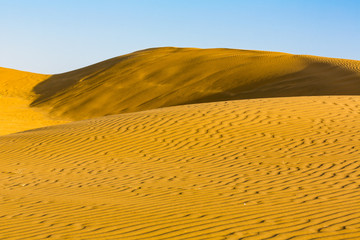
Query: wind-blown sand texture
{"points": [[267, 168]]}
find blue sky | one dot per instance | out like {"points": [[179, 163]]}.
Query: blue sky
{"points": [[53, 36]]}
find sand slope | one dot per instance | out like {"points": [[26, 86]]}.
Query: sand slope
{"points": [[280, 168], [15, 97], [162, 77]]}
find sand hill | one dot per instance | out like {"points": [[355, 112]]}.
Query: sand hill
{"points": [[165, 77], [273, 166]]}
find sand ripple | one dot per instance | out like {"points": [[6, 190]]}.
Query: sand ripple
{"points": [[280, 168]]}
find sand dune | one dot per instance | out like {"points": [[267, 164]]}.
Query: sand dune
{"points": [[271, 167], [165, 77], [285, 168]]}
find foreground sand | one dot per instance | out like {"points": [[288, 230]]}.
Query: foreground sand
{"points": [[279, 168]]}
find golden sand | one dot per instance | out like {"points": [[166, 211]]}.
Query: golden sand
{"points": [[269, 168], [165, 77], [15, 97]]}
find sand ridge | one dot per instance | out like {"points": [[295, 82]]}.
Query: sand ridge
{"points": [[279, 168]]}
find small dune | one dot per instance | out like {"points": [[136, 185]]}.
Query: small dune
{"points": [[180, 143], [15, 97]]}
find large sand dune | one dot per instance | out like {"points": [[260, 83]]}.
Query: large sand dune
{"points": [[283, 167], [165, 77]]}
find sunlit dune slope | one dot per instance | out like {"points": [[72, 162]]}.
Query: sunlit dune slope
{"points": [[15, 97], [161, 77], [16, 83], [280, 168]]}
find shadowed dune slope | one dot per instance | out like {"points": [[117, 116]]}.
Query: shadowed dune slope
{"points": [[279, 168], [161, 77], [15, 97]]}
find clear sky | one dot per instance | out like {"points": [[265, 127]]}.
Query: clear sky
{"points": [[53, 36]]}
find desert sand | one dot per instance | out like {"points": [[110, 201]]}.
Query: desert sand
{"points": [[15, 97], [173, 143]]}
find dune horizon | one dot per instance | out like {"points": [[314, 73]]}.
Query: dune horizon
{"points": [[183, 143], [168, 76]]}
